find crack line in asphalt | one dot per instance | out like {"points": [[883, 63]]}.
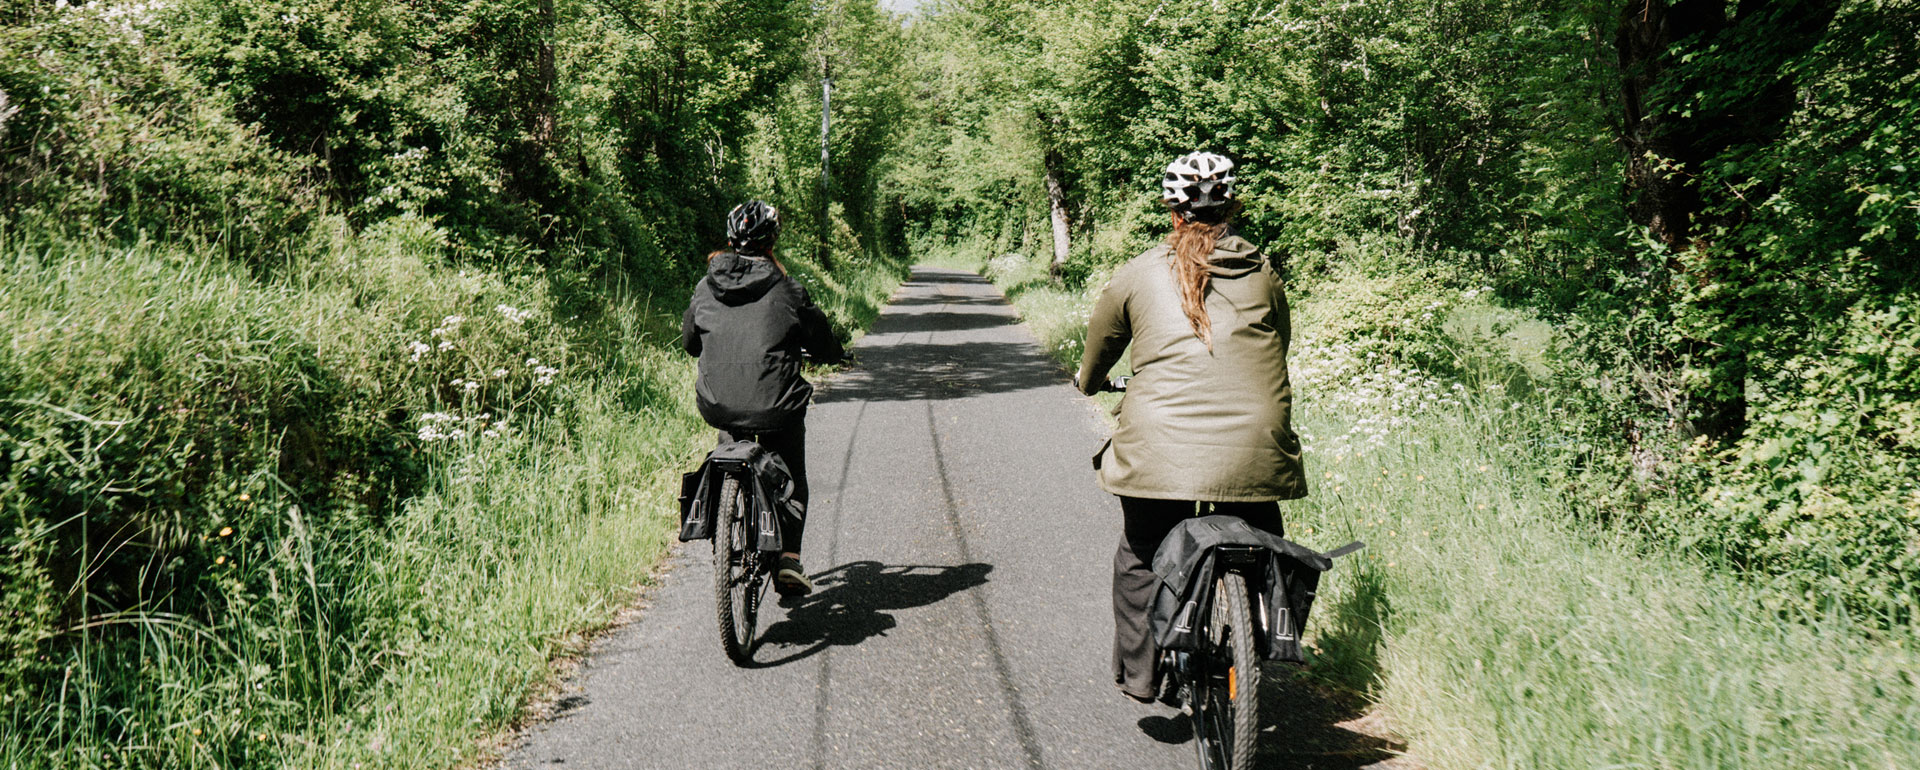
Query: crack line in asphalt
{"points": [[823, 680], [1017, 710]]}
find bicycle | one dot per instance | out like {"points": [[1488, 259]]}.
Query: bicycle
{"points": [[1218, 683], [744, 555]]}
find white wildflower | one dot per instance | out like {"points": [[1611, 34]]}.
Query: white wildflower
{"points": [[513, 314]]}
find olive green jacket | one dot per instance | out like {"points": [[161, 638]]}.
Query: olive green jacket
{"points": [[1198, 424]]}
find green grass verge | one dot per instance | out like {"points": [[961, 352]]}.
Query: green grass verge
{"points": [[1497, 630], [319, 614]]}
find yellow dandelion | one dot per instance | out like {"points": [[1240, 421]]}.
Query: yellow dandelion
{"points": [[1419, 478], [1329, 474], [244, 497], [1383, 472], [1485, 468], [225, 531], [1391, 533], [196, 731], [220, 560]]}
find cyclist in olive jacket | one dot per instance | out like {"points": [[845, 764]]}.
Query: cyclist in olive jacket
{"points": [[1206, 422], [748, 323]]}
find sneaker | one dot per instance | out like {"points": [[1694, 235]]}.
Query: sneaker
{"points": [[790, 579]]}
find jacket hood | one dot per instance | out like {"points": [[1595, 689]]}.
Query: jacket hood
{"points": [[1233, 256], [738, 280]]}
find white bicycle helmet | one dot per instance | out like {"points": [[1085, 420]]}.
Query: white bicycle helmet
{"points": [[1197, 181]]}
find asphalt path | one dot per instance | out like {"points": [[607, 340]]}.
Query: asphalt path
{"points": [[962, 557]]}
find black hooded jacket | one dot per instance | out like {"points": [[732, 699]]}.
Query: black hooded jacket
{"points": [[748, 324]]}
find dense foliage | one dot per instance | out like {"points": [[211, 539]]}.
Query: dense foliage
{"points": [[293, 289], [1714, 204], [330, 323]]}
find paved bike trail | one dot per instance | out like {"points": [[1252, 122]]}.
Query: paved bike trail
{"points": [[962, 556]]}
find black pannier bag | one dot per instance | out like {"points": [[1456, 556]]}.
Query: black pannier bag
{"points": [[1186, 565], [768, 495]]}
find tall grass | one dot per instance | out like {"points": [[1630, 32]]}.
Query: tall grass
{"points": [[1498, 630], [298, 539]]}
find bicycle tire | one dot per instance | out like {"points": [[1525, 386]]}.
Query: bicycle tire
{"points": [[1224, 704], [737, 576]]}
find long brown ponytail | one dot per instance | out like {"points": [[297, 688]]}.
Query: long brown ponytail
{"points": [[1192, 243]]}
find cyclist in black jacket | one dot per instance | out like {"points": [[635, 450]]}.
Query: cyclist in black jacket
{"points": [[748, 324]]}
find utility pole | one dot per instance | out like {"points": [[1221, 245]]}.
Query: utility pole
{"points": [[823, 253]]}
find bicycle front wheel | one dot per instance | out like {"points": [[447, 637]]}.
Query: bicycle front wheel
{"points": [[1226, 681], [738, 580]]}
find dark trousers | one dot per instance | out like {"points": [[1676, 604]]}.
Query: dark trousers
{"points": [[1147, 522], [790, 445]]}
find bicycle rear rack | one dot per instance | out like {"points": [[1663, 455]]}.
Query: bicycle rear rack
{"points": [[1238, 557], [762, 530]]}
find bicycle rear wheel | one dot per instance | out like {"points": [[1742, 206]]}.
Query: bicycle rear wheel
{"points": [[1225, 688], [739, 580]]}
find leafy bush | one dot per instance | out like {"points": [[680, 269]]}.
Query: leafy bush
{"points": [[157, 404], [1822, 490], [114, 137]]}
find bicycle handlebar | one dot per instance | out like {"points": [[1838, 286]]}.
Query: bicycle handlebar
{"points": [[1115, 385]]}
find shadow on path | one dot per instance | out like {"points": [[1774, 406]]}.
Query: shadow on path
{"points": [[852, 604], [916, 372], [1309, 726], [1305, 723], [942, 321], [935, 278], [905, 368]]}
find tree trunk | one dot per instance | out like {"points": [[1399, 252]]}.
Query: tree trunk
{"points": [[547, 100], [1656, 142], [1697, 82], [1057, 205]]}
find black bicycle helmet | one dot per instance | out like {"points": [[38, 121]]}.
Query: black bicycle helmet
{"points": [[752, 227]]}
